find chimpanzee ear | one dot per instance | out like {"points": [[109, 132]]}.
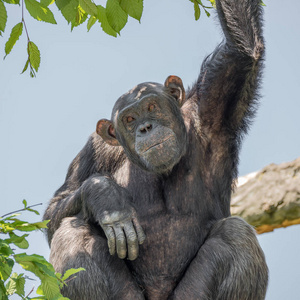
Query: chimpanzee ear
{"points": [[106, 130], [175, 85]]}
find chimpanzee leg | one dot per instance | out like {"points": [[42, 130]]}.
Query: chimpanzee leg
{"points": [[76, 244], [229, 266]]}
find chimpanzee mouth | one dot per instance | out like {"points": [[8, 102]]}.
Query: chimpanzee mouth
{"points": [[158, 144]]}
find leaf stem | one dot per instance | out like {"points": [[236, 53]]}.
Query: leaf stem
{"points": [[23, 21], [23, 209]]}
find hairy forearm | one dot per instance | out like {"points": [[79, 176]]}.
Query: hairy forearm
{"points": [[65, 204], [98, 195], [241, 23]]}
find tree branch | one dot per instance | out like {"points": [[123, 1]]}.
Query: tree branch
{"points": [[270, 198]]}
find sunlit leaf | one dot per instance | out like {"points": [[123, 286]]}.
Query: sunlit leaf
{"points": [[14, 36], [116, 16], [39, 12], [213, 3], [16, 284], [134, 8]]}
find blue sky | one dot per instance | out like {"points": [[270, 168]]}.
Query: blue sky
{"points": [[45, 121]]}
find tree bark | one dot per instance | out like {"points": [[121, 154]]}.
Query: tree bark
{"points": [[270, 198]]}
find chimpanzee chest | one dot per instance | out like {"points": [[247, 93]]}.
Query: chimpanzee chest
{"points": [[171, 243]]}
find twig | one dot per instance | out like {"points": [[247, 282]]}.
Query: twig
{"points": [[23, 209], [29, 293]]}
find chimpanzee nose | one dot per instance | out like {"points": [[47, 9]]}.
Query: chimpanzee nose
{"points": [[146, 127]]}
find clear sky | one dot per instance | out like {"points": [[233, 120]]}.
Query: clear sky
{"points": [[44, 122]]}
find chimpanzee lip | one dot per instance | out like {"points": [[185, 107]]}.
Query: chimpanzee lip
{"points": [[154, 145]]}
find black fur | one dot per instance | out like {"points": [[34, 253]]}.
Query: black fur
{"points": [[193, 249]]}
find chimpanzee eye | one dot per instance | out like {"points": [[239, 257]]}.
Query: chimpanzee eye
{"points": [[129, 119], [151, 107]]}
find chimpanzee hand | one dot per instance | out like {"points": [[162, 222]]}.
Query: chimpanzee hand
{"points": [[109, 204], [123, 231]]}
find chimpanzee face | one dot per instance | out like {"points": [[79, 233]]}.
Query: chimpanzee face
{"points": [[148, 124]]}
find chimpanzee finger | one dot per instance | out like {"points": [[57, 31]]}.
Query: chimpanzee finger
{"points": [[111, 239], [132, 241], [120, 242], [139, 230]]}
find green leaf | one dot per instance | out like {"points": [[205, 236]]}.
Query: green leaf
{"points": [[11, 217], [5, 249], [3, 295], [25, 203], [134, 8], [213, 3], [68, 9], [12, 1], [14, 36], [197, 10], [71, 272], [3, 17], [19, 241], [32, 210], [207, 12], [21, 225], [39, 12], [39, 266], [6, 227], [104, 23], [46, 3], [49, 287], [92, 20], [6, 265], [89, 7], [80, 18], [34, 60], [116, 16], [16, 284]]}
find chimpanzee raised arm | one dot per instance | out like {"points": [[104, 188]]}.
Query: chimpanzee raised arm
{"points": [[164, 165]]}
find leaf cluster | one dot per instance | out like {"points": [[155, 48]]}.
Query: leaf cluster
{"points": [[198, 4], [12, 283], [112, 18]]}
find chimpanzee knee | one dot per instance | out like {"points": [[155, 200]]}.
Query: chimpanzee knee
{"points": [[239, 260], [230, 265]]}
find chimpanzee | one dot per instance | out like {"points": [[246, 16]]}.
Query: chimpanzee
{"points": [[145, 207]]}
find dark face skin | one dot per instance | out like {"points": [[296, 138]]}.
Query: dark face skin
{"points": [[147, 122]]}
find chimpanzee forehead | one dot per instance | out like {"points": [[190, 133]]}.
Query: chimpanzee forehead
{"points": [[135, 94]]}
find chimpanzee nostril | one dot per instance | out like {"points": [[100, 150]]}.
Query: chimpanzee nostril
{"points": [[148, 127], [144, 128]]}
